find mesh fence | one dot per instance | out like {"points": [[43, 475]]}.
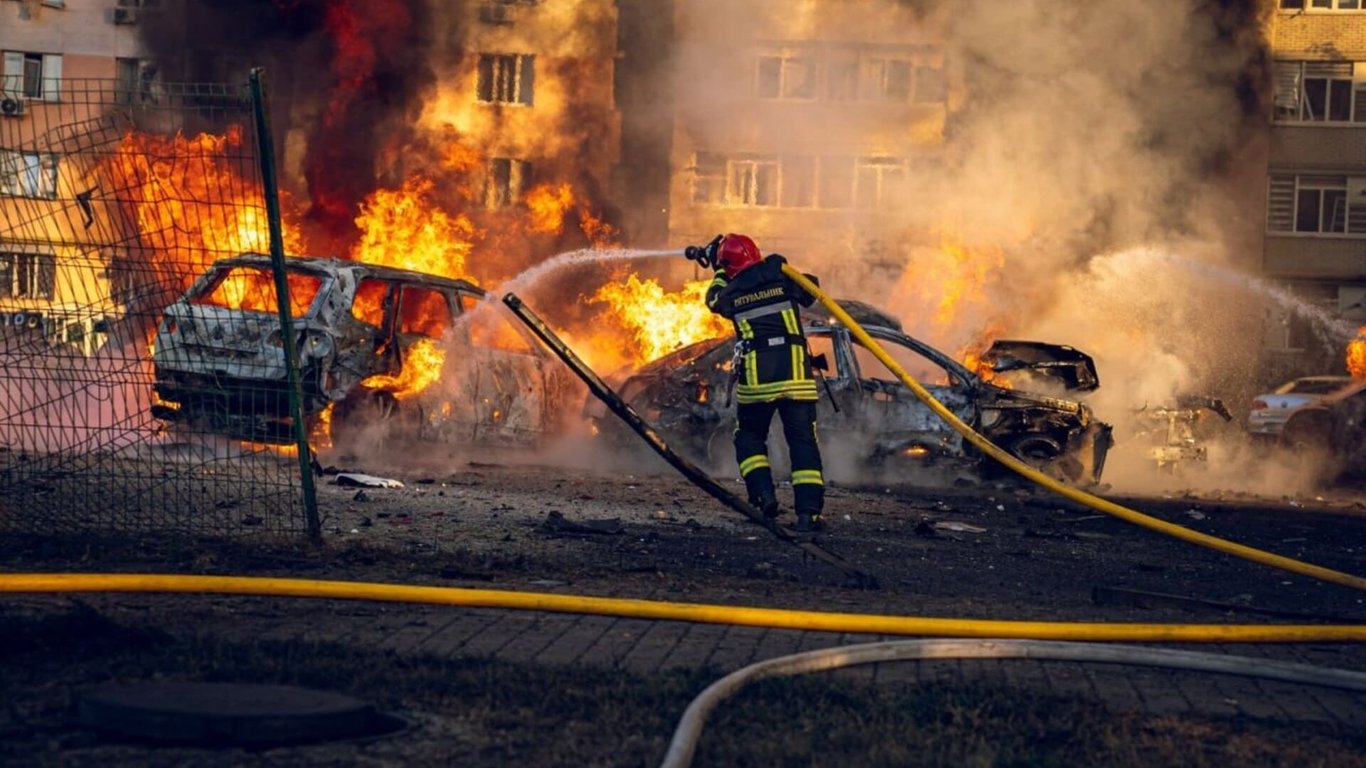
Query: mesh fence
{"points": [[114, 198]]}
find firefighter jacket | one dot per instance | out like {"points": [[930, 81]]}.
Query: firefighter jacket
{"points": [[771, 353]]}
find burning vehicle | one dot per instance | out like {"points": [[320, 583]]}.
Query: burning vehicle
{"points": [[372, 341], [685, 395], [1177, 433], [1331, 430]]}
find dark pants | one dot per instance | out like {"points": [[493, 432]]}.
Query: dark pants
{"points": [[799, 428]]}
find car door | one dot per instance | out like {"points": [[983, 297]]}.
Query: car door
{"points": [[510, 385], [891, 413]]}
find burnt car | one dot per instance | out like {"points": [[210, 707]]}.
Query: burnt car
{"points": [[419, 355], [1331, 432], [876, 419]]}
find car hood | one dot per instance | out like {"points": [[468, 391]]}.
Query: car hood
{"points": [[1074, 368]]}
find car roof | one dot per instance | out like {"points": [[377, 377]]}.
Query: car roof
{"points": [[327, 264]]}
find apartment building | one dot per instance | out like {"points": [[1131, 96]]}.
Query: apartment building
{"points": [[1315, 240], [64, 62], [803, 122]]}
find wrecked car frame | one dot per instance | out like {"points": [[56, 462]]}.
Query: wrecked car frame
{"points": [[219, 356], [685, 396]]}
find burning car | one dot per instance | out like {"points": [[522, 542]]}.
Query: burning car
{"points": [[373, 342], [1331, 431], [685, 396]]}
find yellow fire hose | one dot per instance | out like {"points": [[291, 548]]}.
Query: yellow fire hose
{"points": [[749, 616], [1075, 494]]}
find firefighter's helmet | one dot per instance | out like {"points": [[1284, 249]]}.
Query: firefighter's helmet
{"points": [[736, 254]]}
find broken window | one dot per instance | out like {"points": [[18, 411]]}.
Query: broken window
{"points": [[504, 181], [753, 181], [32, 75], [28, 275], [253, 289], [28, 174], [835, 185], [1323, 204], [799, 180], [368, 306], [1321, 91], [709, 178], [423, 311], [506, 78], [785, 77]]}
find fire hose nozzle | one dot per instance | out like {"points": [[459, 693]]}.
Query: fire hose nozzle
{"points": [[699, 254]]}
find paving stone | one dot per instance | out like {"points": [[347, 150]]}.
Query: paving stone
{"points": [[655, 646], [695, 647], [571, 643]]}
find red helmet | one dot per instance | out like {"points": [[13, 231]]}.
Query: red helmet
{"points": [[737, 253]]}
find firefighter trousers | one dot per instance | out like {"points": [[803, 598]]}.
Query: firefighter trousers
{"points": [[799, 429]]}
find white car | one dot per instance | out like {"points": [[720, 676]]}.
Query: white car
{"points": [[1270, 411]]}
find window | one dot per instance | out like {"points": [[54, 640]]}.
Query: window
{"points": [[423, 311], [32, 75], [504, 181], [879, 181], [1317, 204], [841, 78], [368, 306], [931, 87], [753, 181], [709, 178], [799, 182], [835, 185], [786, 77], [253, 289], [1320, 91], [28, 276], [1324, 5], [28, 174], [133, 81], [506, 78], [890, 79]]}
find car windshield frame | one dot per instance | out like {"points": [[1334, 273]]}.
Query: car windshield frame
{"points": [[967, 379], [198, 294]]}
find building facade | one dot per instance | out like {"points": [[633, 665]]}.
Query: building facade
{"points": [[1315, 241], [806, 124], [64, 63]]}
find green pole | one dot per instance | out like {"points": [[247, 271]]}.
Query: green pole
{"points": [[266, 151]]}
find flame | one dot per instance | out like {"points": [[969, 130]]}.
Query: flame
{"points": [[407, 229], [191, 202], [1356, 355], [660, 322], [422, 363], [971, 355], [547, 204], [949, 284]]}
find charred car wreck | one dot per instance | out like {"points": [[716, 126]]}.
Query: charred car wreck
{"points": [[864, 409], [413, 354]]}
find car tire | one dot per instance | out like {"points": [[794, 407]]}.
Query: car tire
{"points": [[371, 418], [1045, 454]]}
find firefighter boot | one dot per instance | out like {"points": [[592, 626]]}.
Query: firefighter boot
{"points": [[759, 484], [809, 522]]}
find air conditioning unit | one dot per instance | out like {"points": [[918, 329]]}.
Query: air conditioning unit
{"points": [[120, 15], [495, 13], [11, 106]]}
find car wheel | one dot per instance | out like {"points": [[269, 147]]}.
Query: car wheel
{"points": [[1045, 454]]}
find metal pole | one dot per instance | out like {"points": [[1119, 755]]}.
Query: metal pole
{"points": [[652, 438], [266, 151]]}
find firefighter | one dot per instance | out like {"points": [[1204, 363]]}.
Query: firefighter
{"points": [[771, 371]]}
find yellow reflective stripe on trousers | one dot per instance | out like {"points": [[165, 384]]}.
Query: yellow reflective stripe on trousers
{"points": [[752, 463], [807, 477]]}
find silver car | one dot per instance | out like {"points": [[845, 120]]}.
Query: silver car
{"points": [[1270, 411]]}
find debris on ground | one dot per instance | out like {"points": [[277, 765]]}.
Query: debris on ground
{"points": [[956, 526], [366, 481], [555, 522]]}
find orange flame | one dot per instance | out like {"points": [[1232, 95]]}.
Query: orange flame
{"points": [[547, 204], [191, 200], [422, 362], [660, 322], [405, 228], [1356, 355]]}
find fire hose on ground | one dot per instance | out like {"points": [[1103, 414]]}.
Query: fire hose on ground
{"points": [[1081, 497], [689, 730]]}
